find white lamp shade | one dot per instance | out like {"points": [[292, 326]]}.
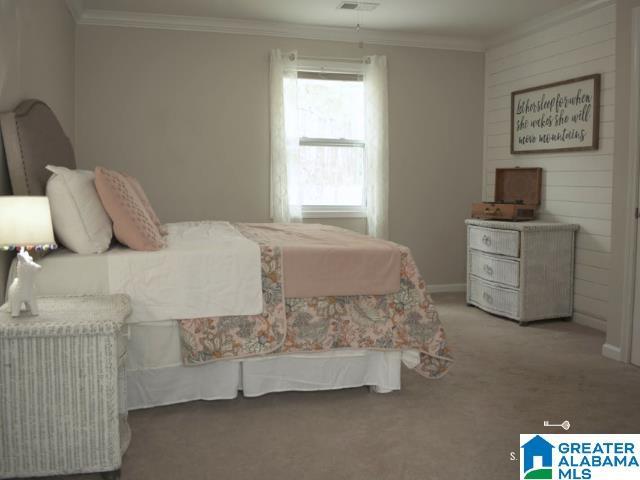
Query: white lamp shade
{"points": [[25, 221]]}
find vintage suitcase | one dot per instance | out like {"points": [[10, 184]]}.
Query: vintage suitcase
{"points": [[517, 196]]}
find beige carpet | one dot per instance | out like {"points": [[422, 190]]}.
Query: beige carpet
{"points": [[507, 380]]}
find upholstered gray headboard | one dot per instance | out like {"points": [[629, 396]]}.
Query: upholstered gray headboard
{"points": [[33, 138]]}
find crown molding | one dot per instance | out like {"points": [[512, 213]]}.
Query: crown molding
{"points": [[75, 7], [573, 10], [274, 29], [338, 34]]}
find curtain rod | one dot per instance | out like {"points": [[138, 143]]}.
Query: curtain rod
{"points": [[332, 59]]}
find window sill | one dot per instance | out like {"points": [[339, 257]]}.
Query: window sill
{"points": [[333, 212]]}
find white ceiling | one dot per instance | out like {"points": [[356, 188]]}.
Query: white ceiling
{"points": [[476, 19]]}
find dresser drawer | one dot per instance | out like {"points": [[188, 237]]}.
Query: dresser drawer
{"points": [[493, 268], [493, 298], [502, 242]]}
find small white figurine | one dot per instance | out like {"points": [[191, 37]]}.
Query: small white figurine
{"points": [[22, 290]]}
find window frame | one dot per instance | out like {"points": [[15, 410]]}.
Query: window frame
{"points": [[333, 70]]}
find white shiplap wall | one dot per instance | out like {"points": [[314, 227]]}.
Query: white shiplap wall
{"points": [[577, 187]]}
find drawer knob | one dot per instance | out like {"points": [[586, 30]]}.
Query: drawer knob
{"points": [[487, 297], [486, 239], [487, 269]]}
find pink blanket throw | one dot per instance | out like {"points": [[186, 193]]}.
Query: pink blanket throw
{"points": [[320, 260]]}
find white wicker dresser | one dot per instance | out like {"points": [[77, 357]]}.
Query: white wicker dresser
{"points": [[62, 387], [521, 270]]}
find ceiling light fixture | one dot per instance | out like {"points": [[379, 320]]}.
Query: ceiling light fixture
{"points": [[362, 6]]}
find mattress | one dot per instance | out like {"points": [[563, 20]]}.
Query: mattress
{"points": [[207, 269], [67, 273], [152, 344], [155, 373]]}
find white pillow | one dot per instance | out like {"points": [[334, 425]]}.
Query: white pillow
{"points": [[80, 222]]}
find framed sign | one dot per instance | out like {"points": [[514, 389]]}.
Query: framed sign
{"points": [[557, 117]]}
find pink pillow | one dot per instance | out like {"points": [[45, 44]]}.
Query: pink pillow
{"points": [[132, 224], [145, 202]]}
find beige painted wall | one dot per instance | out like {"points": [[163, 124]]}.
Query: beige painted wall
{"points": [[187, 113], [620, 168], [37, 53]]}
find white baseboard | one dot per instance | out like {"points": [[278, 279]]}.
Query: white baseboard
{"points": [[447, 287], [588, 321], [612, 352]]}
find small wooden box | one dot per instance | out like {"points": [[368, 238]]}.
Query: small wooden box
{"points": [[517, 196]]}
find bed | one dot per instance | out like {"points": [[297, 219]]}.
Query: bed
{"points": [[171, 356]]}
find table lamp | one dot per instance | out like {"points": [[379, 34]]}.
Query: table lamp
{"points": [[25, 225]]}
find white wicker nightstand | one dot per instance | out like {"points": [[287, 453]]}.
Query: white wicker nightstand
{"points": [[62, 387], [521, 270]]}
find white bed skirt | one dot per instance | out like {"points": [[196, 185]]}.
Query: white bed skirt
{"points": [[254, 377], [156, 376]]}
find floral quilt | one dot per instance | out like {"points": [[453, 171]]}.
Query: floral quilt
{"points": [[403, 320]]}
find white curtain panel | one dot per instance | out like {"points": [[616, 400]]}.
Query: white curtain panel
{"points": [[376, 145], [286, 205]]}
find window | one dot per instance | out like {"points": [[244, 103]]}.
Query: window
{"points": [[329, 140], [331, 166]]}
